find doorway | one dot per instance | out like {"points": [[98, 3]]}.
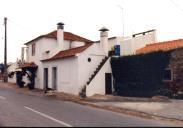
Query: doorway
{"points": [[54, 78], [46, 78], [108, 83]]}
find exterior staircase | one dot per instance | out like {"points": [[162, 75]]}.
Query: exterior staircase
{"points": [[83, 90]]}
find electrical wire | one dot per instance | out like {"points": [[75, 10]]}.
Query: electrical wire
{"points": [[176, 5], [28, 31]]}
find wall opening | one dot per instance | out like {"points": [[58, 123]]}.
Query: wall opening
{"points": [[46, 78], [108, 83], [54, 78]]}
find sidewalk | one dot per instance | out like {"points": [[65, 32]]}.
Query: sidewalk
{"points": [[170, 110], [157, 108]]}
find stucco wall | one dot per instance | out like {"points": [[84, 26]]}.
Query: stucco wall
{"points": [[112, 42], [76, 44], [97, 85], [142, 40], [73, 73], [67, 74], [43, 45], [128, 45], [86, 69]]}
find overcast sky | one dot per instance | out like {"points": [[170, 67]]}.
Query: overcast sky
{"points": [[28, 19]]}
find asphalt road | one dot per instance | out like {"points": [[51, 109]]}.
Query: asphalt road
{"points": [[21, 110]]}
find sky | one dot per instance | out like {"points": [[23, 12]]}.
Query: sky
{"points": [[28, 19]]}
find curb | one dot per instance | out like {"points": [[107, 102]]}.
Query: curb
{"points": [[144, 115], [132, 113]]}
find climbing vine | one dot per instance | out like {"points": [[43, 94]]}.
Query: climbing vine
{"points": [[139, 75]]}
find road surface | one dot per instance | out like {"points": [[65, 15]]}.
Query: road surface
{"points": [[23, 110]]}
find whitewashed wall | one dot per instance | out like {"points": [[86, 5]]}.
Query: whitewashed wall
{"points": [[74, 72], [67, 74], [97, 85], [129, 45], [112, 42], [86, 69], [142, 40], [67, 44], [126, 47], [42, 45], [75, 44]]}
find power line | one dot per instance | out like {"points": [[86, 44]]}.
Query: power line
{"points": [[176, 5], [28, 31]]}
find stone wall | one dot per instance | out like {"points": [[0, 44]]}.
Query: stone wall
{"points": [[176, 66]]}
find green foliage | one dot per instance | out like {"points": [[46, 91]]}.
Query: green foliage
{"points": [[140, 73]]}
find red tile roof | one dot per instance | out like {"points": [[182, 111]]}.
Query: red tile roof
{"points": [[67, 36], [28, 65], [69, 53], [161, 46]]}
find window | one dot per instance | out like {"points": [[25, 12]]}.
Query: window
{"points": [[89, 59], [33, 49], [54, 78], [167, 75]]}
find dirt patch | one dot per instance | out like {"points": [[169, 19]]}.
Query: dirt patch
{"points": [[111, 98], [8, 85], [160, 99]]}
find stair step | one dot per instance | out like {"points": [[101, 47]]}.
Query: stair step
{"points": [[97, 70]]}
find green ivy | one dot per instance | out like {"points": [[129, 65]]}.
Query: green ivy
{"points": [[139, 74]]}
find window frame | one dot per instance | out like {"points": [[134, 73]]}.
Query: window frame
{"points": [[171, 77], [33, 49]]}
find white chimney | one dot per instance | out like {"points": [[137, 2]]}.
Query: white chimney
{"points": [[60, 35], [104, 39]]}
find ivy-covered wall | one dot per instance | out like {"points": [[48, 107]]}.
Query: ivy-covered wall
{"points": [[139, 75]]}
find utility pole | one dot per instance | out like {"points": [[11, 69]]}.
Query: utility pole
{"points": [[5, 51]]}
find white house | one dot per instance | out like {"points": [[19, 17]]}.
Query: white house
{"points": [[69, 63]]}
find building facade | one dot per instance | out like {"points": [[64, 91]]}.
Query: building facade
{"points": [[66, 61]]}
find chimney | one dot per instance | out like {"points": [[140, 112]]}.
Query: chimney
{"points": [[104, 39], [60, 35]]}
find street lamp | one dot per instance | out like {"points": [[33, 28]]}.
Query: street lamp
{"points": [[122, 17]]}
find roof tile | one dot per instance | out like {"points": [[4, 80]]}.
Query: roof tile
{"points": [[69, 53], [161, 46], [67, 36], [28, 65]]}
